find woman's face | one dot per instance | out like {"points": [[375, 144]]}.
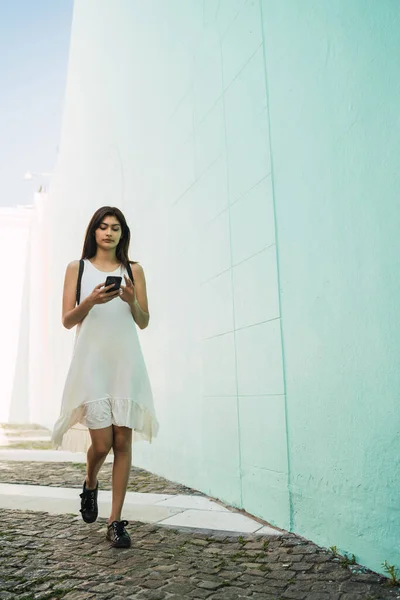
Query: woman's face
{"points": [[108, 233]]}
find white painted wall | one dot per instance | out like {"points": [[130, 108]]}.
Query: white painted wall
{"points": [[151, 125]]}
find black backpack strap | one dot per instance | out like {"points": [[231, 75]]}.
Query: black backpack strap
{"points": [[128, 268], [78, 283]]}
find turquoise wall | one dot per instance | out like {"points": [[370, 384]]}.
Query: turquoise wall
{"points": [[334, 97], [253, 147]]}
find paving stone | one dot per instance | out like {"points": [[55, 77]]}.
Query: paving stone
{"points": [[200, 594], [152, 584], [327, 596], [78, 596], [229, 575], [179, 588], [66, 584], [210, 585], [354, 586], [231, 594], [199, 542], [154, 595], [294, 594]]}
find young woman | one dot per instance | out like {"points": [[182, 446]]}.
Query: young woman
{"points": [[107, 389]]}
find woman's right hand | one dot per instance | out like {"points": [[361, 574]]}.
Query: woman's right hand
{"points": [[101, 296]]}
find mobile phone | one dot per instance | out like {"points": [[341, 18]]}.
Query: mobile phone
{"points": [[115, 280]]}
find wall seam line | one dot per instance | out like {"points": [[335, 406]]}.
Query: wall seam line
{"points": [[232, 285], [278, 268]]}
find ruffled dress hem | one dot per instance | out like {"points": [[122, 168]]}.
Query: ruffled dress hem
{"points": [[70, 432]]}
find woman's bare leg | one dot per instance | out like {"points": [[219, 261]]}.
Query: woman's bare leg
{"points": [[102, 440], [122, 447]]}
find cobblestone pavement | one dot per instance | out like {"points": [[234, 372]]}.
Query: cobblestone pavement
{"points": [[44, 556], [73, 474]]}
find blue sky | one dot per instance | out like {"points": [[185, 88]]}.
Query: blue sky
{"points": [[34, 47]]}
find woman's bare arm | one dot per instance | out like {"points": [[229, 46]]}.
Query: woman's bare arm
{"points": [[140, 306], [71, 314]]}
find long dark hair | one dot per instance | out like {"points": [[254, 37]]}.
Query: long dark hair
{"points": [[90, 246]]}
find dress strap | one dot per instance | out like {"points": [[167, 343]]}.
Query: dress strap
{"points": [[129, 270], [78, 283]]}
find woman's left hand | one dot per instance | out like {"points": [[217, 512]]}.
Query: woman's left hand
{"points": [[127, 292]]}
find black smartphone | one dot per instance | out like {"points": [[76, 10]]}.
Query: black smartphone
{"points": [[115, 280]]}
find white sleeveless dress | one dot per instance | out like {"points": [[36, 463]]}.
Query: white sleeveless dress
{"points": [[107, 364]]}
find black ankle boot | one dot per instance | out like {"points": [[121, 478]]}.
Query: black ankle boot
{"points": [[117, 534], [89, 509]]}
